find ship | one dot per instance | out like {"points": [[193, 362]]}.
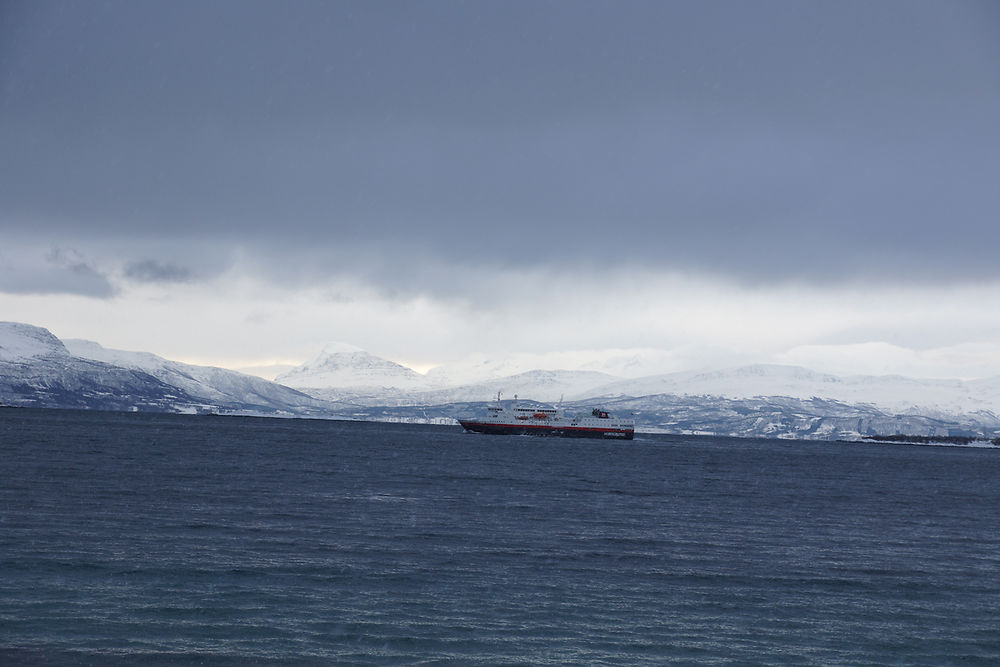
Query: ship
{"points": [[517, 419]]}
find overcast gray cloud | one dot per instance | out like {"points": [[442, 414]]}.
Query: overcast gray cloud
{"points": [[716, 182], [764, 141], [152, 271], [29, 270]]}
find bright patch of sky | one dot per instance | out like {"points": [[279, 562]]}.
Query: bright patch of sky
{"points": [[539, 319]]}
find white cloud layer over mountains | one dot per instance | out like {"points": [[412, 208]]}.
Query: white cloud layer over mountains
{"points": [[546, 321]]}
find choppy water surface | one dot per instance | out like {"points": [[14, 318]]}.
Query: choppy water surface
{"points": [[177, 539]]}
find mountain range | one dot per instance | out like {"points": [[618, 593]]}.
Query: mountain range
{"points": [[39, 370]]}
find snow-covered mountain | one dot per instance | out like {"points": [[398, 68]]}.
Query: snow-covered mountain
{"points": [[346, 367], [614, 362], [37, 369], [348, 373], [22, 342], [891, 392], [546, 386], [541, 385], [266, 371], [344, 372], [213, 386], [786, 417]]}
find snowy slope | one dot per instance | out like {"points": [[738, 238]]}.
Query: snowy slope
{"points": [[39, 370], [36, 370], [216, 386], [539, 385], [344, 366], [21, 342], [891, 392], [349, 373], [545, 386], [785, 417], [619, 363]]}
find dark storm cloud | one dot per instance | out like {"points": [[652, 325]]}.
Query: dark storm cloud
{"points": [[152, 271], [57, 271], [766, 140], [74, 274]]}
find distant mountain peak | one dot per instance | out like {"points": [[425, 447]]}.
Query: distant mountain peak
{"points": [[340, 365], [337, 356]]}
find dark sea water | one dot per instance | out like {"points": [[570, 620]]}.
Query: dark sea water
{"points": [[164, 539]]}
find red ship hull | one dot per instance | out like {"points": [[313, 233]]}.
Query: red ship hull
{"points": [[547, 430]]}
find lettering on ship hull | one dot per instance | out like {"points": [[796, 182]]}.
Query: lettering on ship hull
{"points": [[566, 432]]}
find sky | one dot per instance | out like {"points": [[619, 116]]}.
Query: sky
{"points": [[706, 184]]}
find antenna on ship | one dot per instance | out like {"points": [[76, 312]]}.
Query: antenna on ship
{"points": [[498, 396]]}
